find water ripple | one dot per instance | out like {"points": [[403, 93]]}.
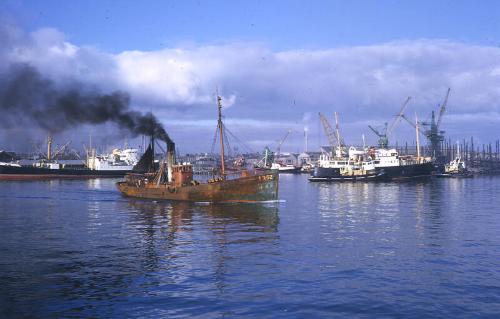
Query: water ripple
{"points": [[413, 249]]}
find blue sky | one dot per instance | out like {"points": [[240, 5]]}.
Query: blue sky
{"points": [[277, 63], [150, 25]]}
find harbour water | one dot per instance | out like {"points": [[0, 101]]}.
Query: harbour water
{"points": [[414, 249]]}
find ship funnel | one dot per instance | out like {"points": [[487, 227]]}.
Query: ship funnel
{"points": [[49, 148], [152, 165], [170, 159]]}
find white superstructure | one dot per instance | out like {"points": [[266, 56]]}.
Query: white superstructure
{"points": [[379, 158], [10, 164], [283, 167], [117, 160], [386, 157], [456, 166]]}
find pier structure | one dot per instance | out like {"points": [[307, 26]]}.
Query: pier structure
{"points": [[483, 157]]}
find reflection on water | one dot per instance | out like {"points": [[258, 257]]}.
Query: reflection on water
{"points": [[168, 230], [94, 183], [414, 249], [351, 210], [179, 213]]}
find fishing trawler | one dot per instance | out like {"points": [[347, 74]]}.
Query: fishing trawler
{"points": [[175, 181]]}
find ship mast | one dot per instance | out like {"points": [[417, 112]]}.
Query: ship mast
{"points": [[219, 124], [417, 128], [339, 139], [49, 147]]}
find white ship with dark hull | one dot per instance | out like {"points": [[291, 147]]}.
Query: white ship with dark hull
{"points": [[285, 168], [368, 164], [116, 164], [378, 165]]}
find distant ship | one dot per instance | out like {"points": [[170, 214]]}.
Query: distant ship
{"points": [[116, 164], [271, 161], [456, 167], [376, 164], [285, 168], [175, 181], [368, 163], [117, 160]]}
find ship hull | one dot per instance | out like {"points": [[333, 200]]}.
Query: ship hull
{"points": [[408, 171], [294, 170], [455, 175], [322, 174], [357, 178], [255, 188], [30, 173]]}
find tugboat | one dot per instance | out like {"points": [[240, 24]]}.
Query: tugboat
{"points": [[456, 168], [175, 181]]}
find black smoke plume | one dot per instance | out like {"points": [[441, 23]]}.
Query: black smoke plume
{"points": [[25, 95]]}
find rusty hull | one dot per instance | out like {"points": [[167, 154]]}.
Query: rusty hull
{"points": [[253, 188]]}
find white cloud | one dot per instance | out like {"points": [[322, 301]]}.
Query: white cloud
{"points": [[364, 84]]}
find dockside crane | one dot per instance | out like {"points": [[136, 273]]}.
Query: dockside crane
{"points": [[278, 149], [434, 135], [413, 124], [385, 133], [330, 134], [333, 136]]}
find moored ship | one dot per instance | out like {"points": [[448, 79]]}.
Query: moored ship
{"points": [[369, 163], [285, 168], [175, 181], [381, 164], [116, 164], [456, 167]]}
